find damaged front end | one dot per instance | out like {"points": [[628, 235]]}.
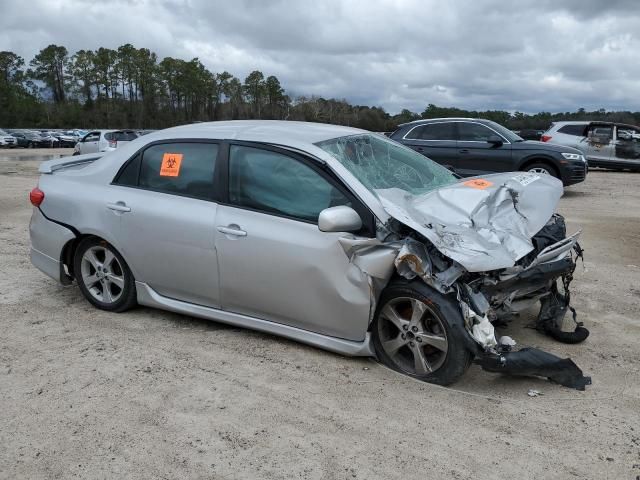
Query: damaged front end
{"points": [[490, 247], [537, 268]]}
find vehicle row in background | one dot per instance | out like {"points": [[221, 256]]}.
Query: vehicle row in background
{"points": [[471, 146], [12, 138], [103, 141], [604, 144], [86, 141]]}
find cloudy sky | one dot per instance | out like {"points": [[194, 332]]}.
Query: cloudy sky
{"points": [[552, 55]]}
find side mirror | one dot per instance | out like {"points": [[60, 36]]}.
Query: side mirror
{"points": [[339, 219], [451, 168], [495, 140]]}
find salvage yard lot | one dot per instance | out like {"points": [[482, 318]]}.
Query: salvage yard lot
{"points": [[150, 394]]}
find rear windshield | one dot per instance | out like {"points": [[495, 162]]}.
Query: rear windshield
{"points": [[577, 130], [121, 136]]}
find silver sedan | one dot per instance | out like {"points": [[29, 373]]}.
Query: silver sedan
{"points": [[328, 235]]}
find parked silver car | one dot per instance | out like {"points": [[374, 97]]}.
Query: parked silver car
{"points": [[103, 141], [332, 236], [604, 144]]}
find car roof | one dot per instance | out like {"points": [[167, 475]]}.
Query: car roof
{"points": [[588, 122], [449, 119], [273, 131]]}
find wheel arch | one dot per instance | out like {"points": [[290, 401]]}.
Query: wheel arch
{"points": [[540, 159], [69, 251]]}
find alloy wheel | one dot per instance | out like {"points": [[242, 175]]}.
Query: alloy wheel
{"points": [[412, 336], [540, 170], [102, 274]]}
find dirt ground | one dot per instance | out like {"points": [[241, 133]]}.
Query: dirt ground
{"points": [[150, 394]]}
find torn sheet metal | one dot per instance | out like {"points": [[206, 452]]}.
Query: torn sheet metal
{"points": [[413, 261], [485, 227], [534, 362]]}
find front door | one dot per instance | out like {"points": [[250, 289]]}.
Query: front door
{"points": [[275, 264], [476, 156], [627, 146], [167, 218], [89, 144], [436, 141]]}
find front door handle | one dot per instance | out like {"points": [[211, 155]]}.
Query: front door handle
{"points": [[464, 150], [118, 207], [232, 230]]}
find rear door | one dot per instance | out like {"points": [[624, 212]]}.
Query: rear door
{"points": [[275, 264], [434, 140], [476, 156], [164, 201], [600, 148]]}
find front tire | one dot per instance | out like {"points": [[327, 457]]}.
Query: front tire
{"points": [[418, 331], [103, 276]]}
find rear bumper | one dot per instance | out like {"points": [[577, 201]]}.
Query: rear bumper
{"points": [[47, 243]]}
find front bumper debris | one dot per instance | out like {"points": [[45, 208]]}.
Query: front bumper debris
{"points": [[534, 362]]}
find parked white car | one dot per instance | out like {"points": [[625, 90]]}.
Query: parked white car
{"points": [[7, 140], [604, 144], [103, 141]]}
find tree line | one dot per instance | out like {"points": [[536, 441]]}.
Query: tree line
{"points": [[131, 87]]}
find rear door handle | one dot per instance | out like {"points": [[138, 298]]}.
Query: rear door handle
{"points": [[232, 230], [464, 150], [118, 207]]}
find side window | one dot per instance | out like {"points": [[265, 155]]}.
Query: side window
{"points": [[92, 137], [600, 134], [178, 168], [473, 132], [627, 133], [128, 176], [577, 130], [433, 131], [275, 183], [108, 136]]}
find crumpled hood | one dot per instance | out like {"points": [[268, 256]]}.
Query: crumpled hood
{"points": [[483, 223]]}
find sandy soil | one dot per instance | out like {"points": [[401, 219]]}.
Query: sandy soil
{"points": [[150, 394]]}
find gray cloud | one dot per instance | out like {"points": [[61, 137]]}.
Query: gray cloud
{"points": [[527, 56]]}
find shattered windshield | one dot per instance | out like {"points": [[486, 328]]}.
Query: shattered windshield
{"points": [[380, 163]]}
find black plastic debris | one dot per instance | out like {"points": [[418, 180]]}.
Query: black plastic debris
{"points": [[552, 312], [538, 363]]}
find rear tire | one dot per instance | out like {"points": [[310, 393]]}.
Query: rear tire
{"points": [[103, 276], [418, 331], [542, 169]]}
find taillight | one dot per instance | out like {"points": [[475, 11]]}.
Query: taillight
{"points": [[545, 138], [113, 143], [36, 196]]}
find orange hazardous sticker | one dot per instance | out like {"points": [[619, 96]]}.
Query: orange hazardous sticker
{"points": [[479, 183], [170, 165]]}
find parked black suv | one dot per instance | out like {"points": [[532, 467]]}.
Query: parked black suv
{"points": [[471, 146]]}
